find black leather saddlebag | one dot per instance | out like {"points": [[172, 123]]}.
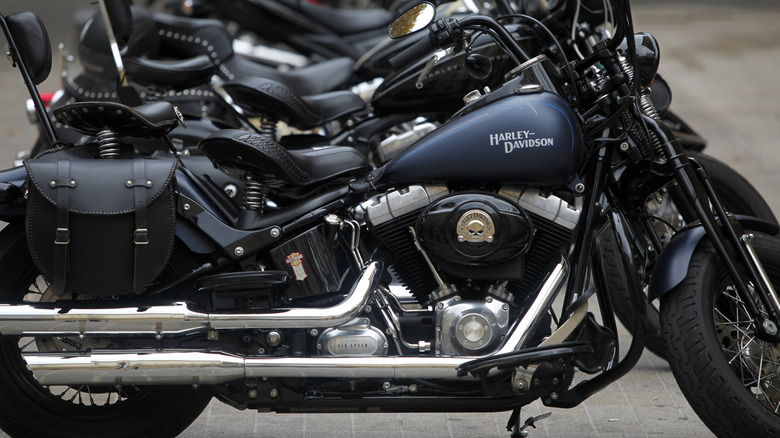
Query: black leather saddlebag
{"points": [[100, 227]]}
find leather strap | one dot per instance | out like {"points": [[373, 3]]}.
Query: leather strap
{"points": [[62, 234], [141, 233]]}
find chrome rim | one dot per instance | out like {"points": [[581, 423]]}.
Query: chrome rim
{"points": [[755, 362]]}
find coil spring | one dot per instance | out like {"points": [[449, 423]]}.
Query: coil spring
{"points": [[648, 107], [268, 127], [627, 67], [254, 199], [108, 147]]}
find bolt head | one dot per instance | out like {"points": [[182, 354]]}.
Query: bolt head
{"points": [[769, 326], [275, 232], [274, 393], [239, 251]]}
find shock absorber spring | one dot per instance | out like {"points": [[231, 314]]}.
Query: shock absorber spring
{"points": [[108, 146], [268, 127], [254, 198]]}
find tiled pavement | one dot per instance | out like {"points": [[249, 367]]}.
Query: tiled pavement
{"points": [[721, 58]]}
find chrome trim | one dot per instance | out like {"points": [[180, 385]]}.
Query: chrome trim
{"points": [[523, 329], [178, 318]]}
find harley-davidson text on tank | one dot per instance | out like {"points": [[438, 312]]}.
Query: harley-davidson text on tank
{"points": [[519, 140], [528, 139]]}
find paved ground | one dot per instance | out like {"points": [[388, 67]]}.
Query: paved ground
{"points": [[722, 62]]}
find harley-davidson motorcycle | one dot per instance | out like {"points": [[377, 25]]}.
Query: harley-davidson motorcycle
{"points": [[129, 299]]}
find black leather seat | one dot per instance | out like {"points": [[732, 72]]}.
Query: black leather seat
{"points": [[177, 73], [145, 121], [265, 96], [182, 37], [239, 153]]}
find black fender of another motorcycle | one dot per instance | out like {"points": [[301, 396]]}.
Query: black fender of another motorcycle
{"points": [[672, 265], [11, 192]]}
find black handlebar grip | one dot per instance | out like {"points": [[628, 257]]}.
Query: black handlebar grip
{"points": [[412, 53]]}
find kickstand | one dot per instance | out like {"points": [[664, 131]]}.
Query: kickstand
{"points": [[517, 429]]}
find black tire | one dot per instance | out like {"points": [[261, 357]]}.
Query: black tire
{"points": [[29, 409], [736, 194], [722, 368]]}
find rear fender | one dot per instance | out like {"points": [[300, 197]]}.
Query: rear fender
{"points": [[672, 265]]}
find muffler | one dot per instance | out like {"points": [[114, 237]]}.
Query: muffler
{"points": [[177, 318], [188, 367], [196, 368]]}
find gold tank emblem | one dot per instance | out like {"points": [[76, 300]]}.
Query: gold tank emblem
{"points": [[475, 226]]}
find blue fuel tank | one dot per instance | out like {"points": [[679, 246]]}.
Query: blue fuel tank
{"points": [[528, 138]]}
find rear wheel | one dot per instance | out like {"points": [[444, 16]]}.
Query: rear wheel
{"points": [[737, 196], [730, 376], [30, 409]]}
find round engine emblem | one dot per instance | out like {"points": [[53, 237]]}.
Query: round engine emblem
{"points": [[475, 226]]}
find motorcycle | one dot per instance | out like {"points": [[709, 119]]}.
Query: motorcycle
{"points": [[486, 221], [433, 89]]}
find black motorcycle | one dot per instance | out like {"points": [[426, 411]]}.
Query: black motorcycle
{"points": [[484, 221]]}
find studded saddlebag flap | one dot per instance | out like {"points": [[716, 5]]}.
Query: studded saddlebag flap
{"points": [[100, 227]]}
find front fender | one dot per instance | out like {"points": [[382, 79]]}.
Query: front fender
{"points": [[672, 265]]}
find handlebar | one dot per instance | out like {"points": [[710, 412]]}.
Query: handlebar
{"points": [[412, 53]]}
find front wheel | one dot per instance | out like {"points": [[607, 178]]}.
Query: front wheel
{"points": [[730, 377], [29, 409], [737, 196]]}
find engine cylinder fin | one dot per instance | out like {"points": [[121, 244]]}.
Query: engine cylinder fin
{"points": [[409, 266], [547, 242]]}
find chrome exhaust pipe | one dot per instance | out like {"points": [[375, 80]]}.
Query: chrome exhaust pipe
{"points": [[201, 368], [32, 320], [194, 368]]}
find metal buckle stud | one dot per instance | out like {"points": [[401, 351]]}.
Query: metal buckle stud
{"points": [[141, 236], [62, 236]]}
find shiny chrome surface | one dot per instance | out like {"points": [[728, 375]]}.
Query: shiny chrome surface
{"points": [[547, 206], [396, 203], [523, 329], [357, 338], [133, 367], [186, 368], [470, 327], [178, 318]]}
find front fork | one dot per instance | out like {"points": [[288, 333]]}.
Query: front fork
{"points": [[733, 248]]}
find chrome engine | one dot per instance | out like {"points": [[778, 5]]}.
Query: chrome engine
{"points": [[441, 261]]}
